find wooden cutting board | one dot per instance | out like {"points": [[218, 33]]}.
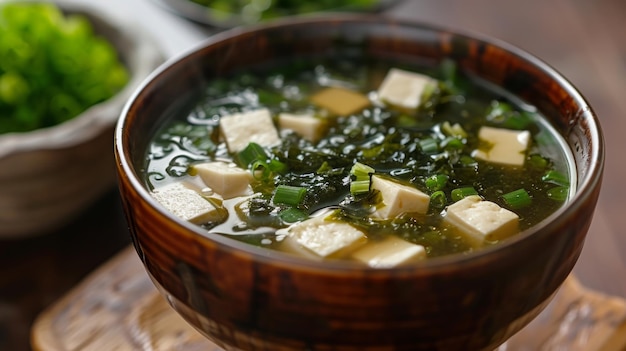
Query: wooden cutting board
{"points": [[118, 308]]}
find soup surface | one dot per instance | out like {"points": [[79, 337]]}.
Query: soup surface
{"points": [[383, 163]]}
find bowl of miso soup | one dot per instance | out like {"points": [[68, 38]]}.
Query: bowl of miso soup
{"points": [[355, 182]]}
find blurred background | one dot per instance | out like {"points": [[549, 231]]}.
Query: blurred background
{"points": [[584, 40]]}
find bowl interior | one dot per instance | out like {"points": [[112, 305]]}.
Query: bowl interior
{"points": [[175, 85]]}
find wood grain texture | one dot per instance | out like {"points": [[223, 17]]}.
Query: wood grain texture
{"points": [[118, 308]]}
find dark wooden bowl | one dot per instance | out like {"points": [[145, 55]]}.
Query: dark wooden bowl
{"points": [[248, 298]]}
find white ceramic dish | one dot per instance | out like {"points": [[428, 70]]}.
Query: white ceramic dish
{"points": [[50, 175]]}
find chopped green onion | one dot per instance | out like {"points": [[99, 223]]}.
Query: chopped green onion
{"points": [[324, 168], [361, 171], [449, 74], [250, 154], [372, 151], [517, 199], [555, 177], [255, 158], [260, 171], [454, 130], [292, 215], [429, 90], [504, 114], [429, 146], [359, 187], [558, 193], [460, 193], [438, 199], [276, 166], [517, 121], [452, 143], [269, 98], [467, 161], [436, 182], [289, 195], [537, 161], [498, 110], [406, 121]]}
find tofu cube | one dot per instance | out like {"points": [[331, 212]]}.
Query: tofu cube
{"points": [[240, 129], [507, 146], [289, 244], [226, 179], [305, 125], [403, 88], [187, 203], [398, 198], [340, 101], [390, 252], [481, 220], [326, 237]]}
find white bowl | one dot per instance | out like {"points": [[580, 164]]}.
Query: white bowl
{"points": [[48, 176]]}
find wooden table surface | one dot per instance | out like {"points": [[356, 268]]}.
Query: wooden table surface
{"points": [[585, 40]]}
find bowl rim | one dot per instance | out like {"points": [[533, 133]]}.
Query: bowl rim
{"points": [[140, 58], [585, 189]]}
